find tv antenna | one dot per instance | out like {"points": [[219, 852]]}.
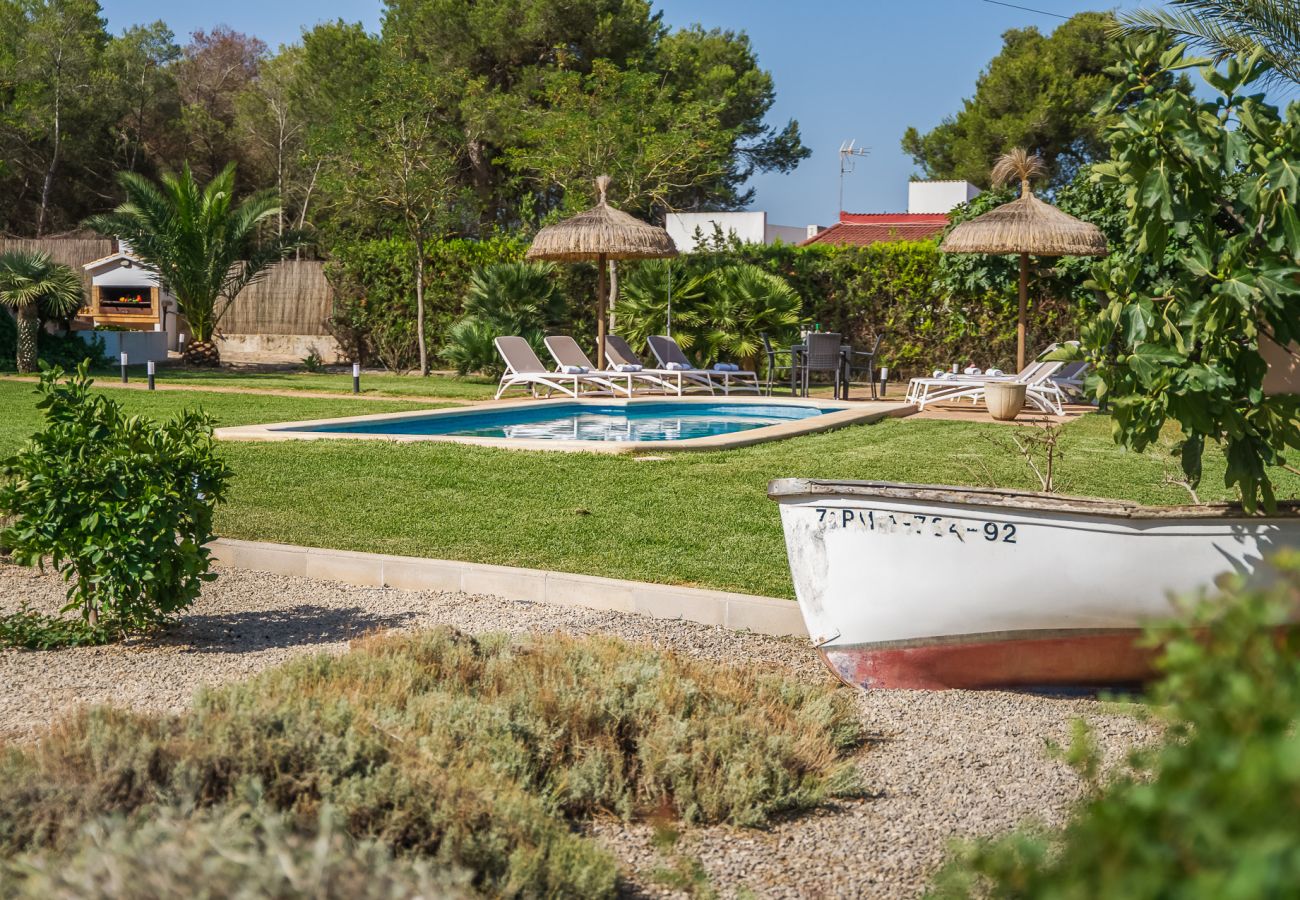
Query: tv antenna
{"points": [[848, 160]]}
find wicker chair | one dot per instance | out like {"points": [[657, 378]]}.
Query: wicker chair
{"points": [[822, 354], [862, 361]]}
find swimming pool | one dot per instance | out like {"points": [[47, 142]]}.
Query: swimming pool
{"points": [[664, 421], [606, 426]]}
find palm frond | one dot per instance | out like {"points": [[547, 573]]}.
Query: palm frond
{"points": [[1224, 28]]}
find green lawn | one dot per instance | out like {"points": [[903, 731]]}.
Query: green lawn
{"points": [[450, 387], [693, 518]]}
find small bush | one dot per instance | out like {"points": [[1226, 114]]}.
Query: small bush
{"points": [[64, 350], [1214, 810], [504, 299], [226, 852], [480, 754], [120, 506]]}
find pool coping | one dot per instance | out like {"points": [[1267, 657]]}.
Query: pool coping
{"points": [[862, 413], [738, 612]]}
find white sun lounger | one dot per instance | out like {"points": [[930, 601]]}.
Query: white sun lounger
{"points": [[568, 354], [1036, 377], [524, 369], [672, 358], [674, 381]]}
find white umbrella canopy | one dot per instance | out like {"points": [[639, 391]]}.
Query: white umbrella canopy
{"points": [[1025, 225], [601, 233]]}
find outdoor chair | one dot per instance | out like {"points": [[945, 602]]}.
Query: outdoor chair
{"points": [[524, 369], [569, 357], [775, 365], [822, 354], [862, 361], [671, 357], [621, 354]]}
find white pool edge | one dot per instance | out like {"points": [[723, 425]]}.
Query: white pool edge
{"points": [[861, 413], [739, 612]]}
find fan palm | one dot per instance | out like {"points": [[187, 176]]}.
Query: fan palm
{"points": [[645, 295], [202, 243], [515, 298], [1226, 28], [746, 303], [32, 285]]}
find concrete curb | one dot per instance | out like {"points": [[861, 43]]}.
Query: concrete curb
{"points": [[764, 615]]}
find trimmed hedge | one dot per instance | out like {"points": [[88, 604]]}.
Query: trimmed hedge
{"points": [[898, 289]]}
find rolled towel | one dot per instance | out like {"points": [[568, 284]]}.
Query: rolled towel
{"points": [[677, 367], [627, 367], [995, 373], [574, 370], [726, 367], [938, 373], [971, 370]]}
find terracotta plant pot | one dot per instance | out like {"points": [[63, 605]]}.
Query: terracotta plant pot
{"points": [[1004, 399]]}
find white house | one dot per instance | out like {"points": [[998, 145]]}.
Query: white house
{"points": [[748, 227]]}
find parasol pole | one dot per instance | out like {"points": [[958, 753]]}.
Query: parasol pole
{"points": [[1024, 312], [600, 310], [669, 267]]}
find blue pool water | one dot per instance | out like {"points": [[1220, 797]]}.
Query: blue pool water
{"points": [[666, 421]]}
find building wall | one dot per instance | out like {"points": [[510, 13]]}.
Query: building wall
{"points": [[787, 234], [749, 227], [938, 196]]}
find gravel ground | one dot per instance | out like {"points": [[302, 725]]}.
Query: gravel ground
{"points": [[940, 765]]}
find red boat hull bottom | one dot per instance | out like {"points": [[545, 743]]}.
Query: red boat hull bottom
{"points": [[1079, 659]]}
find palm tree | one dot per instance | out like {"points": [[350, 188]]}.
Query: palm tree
{"points": [[201, 242], [1226, 28], [745, 303], [32, 285]]}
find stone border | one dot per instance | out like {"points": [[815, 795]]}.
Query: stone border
{"points": [[764, 615], [838, 416]]}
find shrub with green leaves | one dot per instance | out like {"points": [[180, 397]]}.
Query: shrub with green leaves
{"points": [[513, 298], [120, 505], [1214, 810], [1218, 180], [485, 755]]}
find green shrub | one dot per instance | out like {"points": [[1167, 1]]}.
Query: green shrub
{"points": [[237, 851], [120, 506], [504, 299], [1214, 810], [718, 314], [481, 754], [65, 350], [374, 290]]}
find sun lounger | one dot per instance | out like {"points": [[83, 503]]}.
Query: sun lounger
{"points": [[569, 356], [676, 381], [672, 358], [1040, 391], [524, 369]]}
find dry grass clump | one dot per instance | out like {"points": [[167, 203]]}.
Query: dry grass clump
{"points": [[478, 754], [224, 852]]}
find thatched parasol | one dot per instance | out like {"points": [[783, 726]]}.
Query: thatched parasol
{"points": [[1024, 226], [601, 233]]}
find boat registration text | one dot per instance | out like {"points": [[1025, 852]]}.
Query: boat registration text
{"points": [[880, 522]]}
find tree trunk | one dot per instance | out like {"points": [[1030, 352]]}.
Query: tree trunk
{"points": [[202, 353], [29, 326], [419, 306], [56, 139], [1024, 312]]}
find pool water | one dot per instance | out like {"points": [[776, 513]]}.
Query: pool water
{"points": [[666, 421]]}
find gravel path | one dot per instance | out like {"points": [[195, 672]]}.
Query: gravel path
{"points": [[940, 765]]}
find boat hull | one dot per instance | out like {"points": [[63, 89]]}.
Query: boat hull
{"points": [[914, 586]]}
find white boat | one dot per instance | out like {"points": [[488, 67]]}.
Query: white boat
{"points": [[928, 586]]}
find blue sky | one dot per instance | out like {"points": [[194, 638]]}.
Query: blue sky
{"points": [[863, 70]]}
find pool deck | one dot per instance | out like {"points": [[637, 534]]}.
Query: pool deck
{"points": [[859, 413]]}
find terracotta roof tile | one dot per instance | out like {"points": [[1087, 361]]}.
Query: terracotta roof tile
{"points": [[858, 234]]}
